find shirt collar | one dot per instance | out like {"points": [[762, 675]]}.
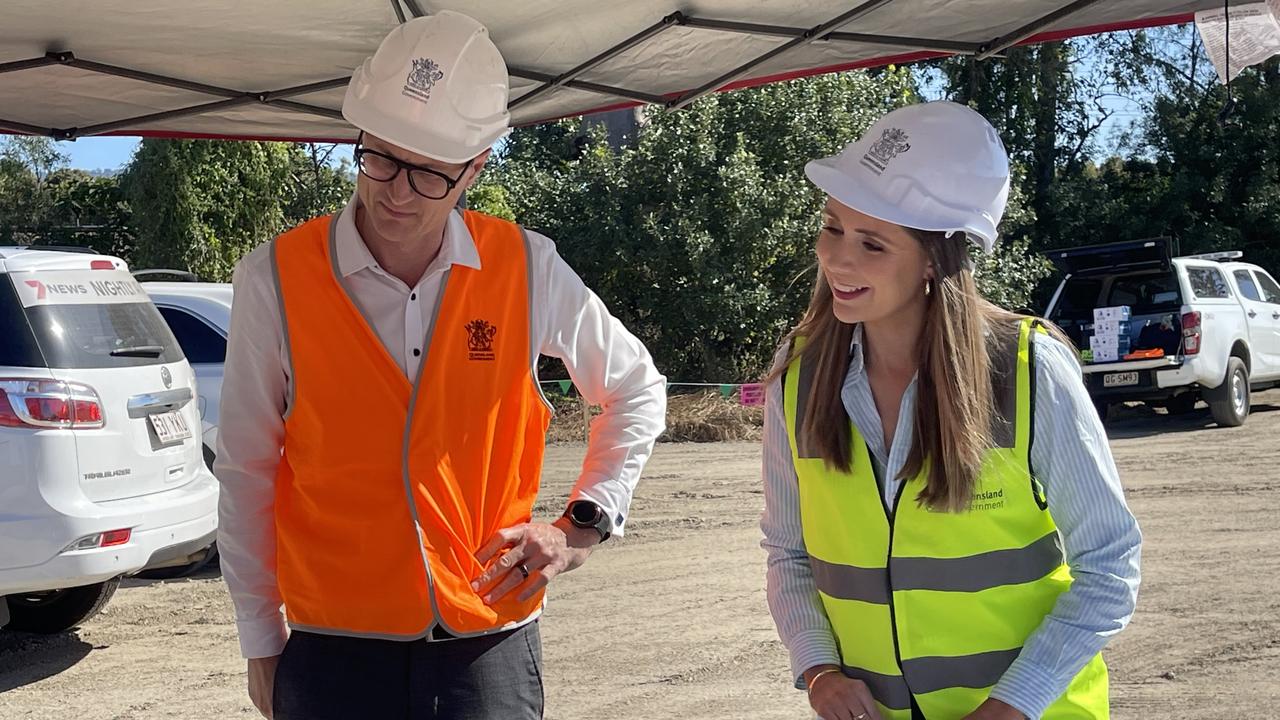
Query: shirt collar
{"points": [[459, 248], [856, 365]]}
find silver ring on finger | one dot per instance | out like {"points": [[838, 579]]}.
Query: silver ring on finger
{"points": [[863, 716], [524, 570]]}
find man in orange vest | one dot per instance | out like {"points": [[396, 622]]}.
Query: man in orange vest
{"points": [[382, 426]]}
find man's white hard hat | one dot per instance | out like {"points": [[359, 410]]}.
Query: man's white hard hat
{"points": [[437, 86]]}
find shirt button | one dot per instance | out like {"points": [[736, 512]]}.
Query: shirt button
{"points": [[413, 296], [416, 352]]}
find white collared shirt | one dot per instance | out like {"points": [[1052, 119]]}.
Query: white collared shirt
{"points": [[607, 363]]}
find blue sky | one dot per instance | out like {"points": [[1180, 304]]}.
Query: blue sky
{"points": [[103, 153]]}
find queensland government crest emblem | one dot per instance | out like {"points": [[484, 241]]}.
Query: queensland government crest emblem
{"points": [[480, 334], [424, 76], [892, 143]]}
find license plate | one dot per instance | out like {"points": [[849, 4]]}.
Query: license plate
{"points": [[1120, 379], [170, 427]]}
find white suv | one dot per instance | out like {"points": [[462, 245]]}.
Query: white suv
{"points": [[102, 473], [199, 314]]}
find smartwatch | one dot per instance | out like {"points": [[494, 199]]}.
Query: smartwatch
{"points": [[586, 514]]}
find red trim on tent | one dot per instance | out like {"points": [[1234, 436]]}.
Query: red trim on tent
{"points": [[752, 82], [179, 135], [901, 60]]}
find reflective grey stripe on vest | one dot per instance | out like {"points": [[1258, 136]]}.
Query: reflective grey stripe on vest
{"points": [[982, 670], [972, 573], [847, 582], [890, 691], [931, 674], [975, 573]]}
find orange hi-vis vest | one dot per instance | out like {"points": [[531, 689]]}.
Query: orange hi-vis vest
{"points": [[388, 488]]}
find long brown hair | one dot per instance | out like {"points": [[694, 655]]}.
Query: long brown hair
{"points": [[954, 406]]}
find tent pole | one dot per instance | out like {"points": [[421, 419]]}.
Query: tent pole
{"points": [[640, 37], [1001, 44], [808, 37]]}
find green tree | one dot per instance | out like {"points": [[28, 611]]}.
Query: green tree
{"points": [[1210, 185], [200, 205], [318, 185], [87, 211], [19, 202], [26, 164], [40, 155], [700, 234]]}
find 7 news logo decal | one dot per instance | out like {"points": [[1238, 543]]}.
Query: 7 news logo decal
{"points": [[68, 287]]}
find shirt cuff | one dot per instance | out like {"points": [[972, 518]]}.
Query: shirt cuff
{"points": [[611, 494], [1027, 687], [262, 637], [808, 649]]}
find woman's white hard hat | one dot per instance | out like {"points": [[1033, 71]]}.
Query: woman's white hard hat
{"points": [[935, 166]]}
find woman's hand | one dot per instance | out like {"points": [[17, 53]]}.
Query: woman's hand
{"points": [[836, 697]]}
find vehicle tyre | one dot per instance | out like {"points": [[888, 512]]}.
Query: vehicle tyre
{"points": [[56, 611], [1229, 402]]}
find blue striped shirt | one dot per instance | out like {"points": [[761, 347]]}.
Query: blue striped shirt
{"points": [[1073, 462]]}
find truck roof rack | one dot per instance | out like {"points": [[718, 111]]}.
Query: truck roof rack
{"points": [[1218, 256], [61, 248], [179, 275]]}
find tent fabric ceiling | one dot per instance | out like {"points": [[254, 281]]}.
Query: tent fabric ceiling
{"points": [[278, 70]]}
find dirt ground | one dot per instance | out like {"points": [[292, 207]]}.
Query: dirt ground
{"points": [[671, 621]]}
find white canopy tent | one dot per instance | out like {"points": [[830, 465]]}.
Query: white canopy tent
{"points": [[278, 69]]}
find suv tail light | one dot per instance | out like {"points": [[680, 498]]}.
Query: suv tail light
{"points": [[110, 538], [1191, 333], [48, 404]]}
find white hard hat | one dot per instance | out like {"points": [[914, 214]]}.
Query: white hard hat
{"points": [[436, 86], [935, 166]]}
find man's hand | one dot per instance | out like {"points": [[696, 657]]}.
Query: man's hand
{"points": [[538, 552], [262, 681], [993, 709]]}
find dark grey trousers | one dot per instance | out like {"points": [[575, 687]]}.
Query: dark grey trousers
{"points": [[324, 677]]}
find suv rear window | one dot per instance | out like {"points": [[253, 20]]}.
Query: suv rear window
{"points": [[90, 319], [18, 346]]}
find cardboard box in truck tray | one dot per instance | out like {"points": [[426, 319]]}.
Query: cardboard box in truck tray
{"points": [[1120, 312], [1112, 328], [1120, 344]]}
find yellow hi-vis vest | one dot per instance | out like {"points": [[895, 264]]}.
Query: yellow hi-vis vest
{"points": [[930, 608]]}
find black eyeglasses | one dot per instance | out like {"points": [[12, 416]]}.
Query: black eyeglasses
{"points": [[381, 167]]}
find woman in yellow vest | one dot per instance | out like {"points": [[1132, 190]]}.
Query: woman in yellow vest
{"points": [[946, 530]]}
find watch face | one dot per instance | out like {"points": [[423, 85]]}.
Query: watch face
{"points": [[585, 513]]}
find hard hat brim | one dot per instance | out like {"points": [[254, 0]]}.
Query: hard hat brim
{"points": [[846, 190], [409, 137]]}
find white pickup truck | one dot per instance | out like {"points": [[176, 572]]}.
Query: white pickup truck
{"points": [[1217, 323]]}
